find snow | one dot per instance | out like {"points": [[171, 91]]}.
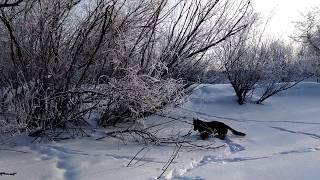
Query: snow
{"points": [[282, 142]]}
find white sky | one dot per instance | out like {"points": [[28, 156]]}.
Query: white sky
{"points": [[284, 13]]}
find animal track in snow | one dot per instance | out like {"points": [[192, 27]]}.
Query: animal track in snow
{"points": [[246, 120], [315, 136], [225, 160], [61, 156], [234, 147]]}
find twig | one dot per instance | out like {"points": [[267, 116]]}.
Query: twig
{"points": [[159, 124], [142, 133], [188, 144], [174, 118], [173, 156], [207, 147], [13, 150], [151, 138], [188, 134], [135, 156], [7, 174]]}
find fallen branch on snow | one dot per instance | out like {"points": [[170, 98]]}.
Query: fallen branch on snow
{"points": [[7, 174]]}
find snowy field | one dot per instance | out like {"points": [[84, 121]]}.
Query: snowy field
{"points": [[282, 142]]}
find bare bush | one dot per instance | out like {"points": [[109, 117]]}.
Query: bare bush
{"points": [[135, 95], [281, 70], [308, 35], [66, 58], [252, 62], [242, 58], [271, 67]]}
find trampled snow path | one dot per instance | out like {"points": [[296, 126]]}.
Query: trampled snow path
{"points": [[282, 142]]}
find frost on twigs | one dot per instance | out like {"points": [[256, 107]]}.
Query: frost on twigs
{"points": [[135, 95], [123, 59], [40, 113]]}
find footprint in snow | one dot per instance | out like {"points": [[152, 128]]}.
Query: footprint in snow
{"points": [[234, 147]]}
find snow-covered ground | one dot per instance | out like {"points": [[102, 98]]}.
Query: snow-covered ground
{"points": [[282, 142]]}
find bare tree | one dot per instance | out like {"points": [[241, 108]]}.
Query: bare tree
{"points": [[270, 67], [242, 58], [281, 70], [197, 29], [308, 35], [308, 29]]}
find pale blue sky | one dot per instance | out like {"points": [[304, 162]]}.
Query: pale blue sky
{"points": [[284, 12]]}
